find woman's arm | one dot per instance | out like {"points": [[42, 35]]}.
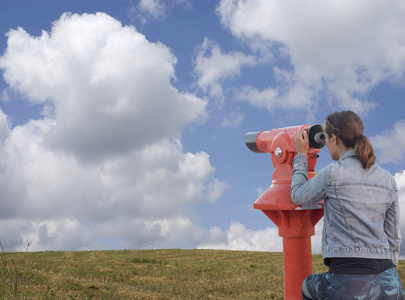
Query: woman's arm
{"points": [[304, 192]]}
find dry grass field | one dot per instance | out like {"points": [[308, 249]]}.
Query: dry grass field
{"points": [[146, 274]]}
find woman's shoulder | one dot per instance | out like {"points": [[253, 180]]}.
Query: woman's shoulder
{"points": [[352, 171], [378, 169], [384, 174]]}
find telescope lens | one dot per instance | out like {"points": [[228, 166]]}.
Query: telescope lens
{"points": [[316, 136], [250, 141]]}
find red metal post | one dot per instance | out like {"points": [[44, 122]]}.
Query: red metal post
{"points": [[297, 258]]}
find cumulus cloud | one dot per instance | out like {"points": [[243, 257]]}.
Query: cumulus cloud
{"points": [[105, 85], [390, 145], [104, 165], [337, 50], [237, 237]]}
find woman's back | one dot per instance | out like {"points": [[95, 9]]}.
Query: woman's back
{"points": [[358, 203]]}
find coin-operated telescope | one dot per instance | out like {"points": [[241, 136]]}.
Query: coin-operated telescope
{"points": [[296, 224]]}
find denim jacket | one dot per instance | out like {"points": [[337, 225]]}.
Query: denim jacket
{"points": [[361, 212]]}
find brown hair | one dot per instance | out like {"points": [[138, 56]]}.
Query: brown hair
{"points": [[347, 126]]}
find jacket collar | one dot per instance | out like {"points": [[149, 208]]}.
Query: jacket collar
{"points": [[347, 154]]}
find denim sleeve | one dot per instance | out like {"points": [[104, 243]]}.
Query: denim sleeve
{"points": [[392, 226], [304, 192]]}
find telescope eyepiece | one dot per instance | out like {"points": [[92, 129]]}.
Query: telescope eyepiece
{"points": [[316, 136], [319, 137]]}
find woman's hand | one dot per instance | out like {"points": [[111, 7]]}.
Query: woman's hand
{"points": [[301, 140]]}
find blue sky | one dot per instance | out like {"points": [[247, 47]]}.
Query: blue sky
{"points": [[122, 123]]}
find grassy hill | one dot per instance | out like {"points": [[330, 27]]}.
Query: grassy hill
{"points": [[146, 274]]}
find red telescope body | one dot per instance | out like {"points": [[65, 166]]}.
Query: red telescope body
{"points": [[296, 224]]}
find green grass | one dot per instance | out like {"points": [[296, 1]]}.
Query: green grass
{"points": [[146, 274]]}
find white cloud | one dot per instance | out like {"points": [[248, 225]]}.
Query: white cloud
{"points": [[152, 186], [259, 191], [316, 240], [268, 98], [237, 237], [154, 9], [105, 84], [289, 95], [105, 164], [212, 66], [390, 145], [233, 119], [339, 49]]}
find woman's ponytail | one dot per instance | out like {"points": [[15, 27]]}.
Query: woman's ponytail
{"points": [[348, 126], [364, 151]]}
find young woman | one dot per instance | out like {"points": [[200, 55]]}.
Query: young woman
{"points": [[361, 234]]}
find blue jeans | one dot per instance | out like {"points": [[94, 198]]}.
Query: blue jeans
{"points": [[326, 286]]}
